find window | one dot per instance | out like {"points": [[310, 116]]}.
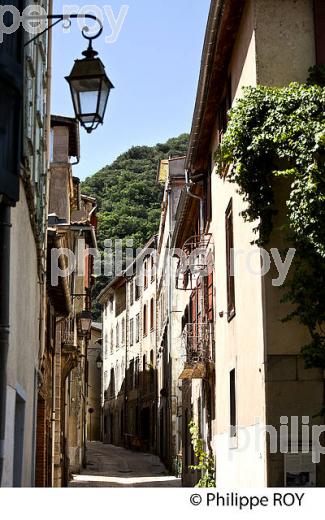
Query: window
{"points": [[10, 112], [152, 315], [131, 292], [112, 383], [122, 371], [117, 376], [152, 372], [123, 332], [224, 106], [230, 262], [18, 440], [110, 305], [144, 372], [131, 374], [152, 268], [137, 328], [145, 323], [145, 274], [137, 288], [207, 189], [208, 285], [136, 372], [233, 406], [112, 341], [131, 332], [117, 335]]}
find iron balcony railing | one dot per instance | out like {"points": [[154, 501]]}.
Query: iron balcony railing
{"points": [[197, 341], [196, 261]]}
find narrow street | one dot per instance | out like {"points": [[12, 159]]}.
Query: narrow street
{"points": [[110, 466]]}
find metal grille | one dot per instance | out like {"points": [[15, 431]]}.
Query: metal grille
{"points": [[197, 341], [194, 263]]}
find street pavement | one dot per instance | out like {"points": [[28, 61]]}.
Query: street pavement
{"points": [[111, 466]]}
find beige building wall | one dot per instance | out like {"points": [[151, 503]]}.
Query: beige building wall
{"points": [[23, 346], [274, 46]]}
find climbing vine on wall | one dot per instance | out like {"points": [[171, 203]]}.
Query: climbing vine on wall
{"points": [[205, 461], [274, 133]]}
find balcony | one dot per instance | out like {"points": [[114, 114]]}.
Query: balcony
{"points": [[197, 343], [195, 263], [69, 353]]}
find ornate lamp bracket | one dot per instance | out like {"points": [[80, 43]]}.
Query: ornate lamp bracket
{"points": [[66, 19]]}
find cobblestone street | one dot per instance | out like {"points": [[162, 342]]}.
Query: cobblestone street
{"points": [[110, 466]]}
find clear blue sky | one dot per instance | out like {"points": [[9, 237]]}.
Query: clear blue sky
{"points": [[154, 66]]}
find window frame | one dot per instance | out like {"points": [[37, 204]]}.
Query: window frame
{"points": [[131, 332], [152, 315], [233, 422], [230, 271], [145, 320]]}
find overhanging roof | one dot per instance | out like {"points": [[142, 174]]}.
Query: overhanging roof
{"points": [[222, 27]]}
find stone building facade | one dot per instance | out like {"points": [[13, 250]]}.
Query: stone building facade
{"points": [[224, 357], [129, 354], [257, 363], [63, 387], [25, 134]]}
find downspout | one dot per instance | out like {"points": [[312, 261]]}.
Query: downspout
{"points": [[5, 226], [53, 410], [127, 295]]}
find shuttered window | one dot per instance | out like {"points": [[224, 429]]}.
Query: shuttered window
{"points": [[319, 17], [152, 314], [230, 262], [233, 404]]}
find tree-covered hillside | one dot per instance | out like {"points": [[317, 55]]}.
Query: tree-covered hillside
{"points": [[128, 196]]}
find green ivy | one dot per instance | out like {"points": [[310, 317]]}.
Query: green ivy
{"points": [[205, 461], [280, 133]]}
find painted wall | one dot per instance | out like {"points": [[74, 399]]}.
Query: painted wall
{"points": [[274, 46], [23, 342]]}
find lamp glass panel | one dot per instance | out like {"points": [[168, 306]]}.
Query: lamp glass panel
{"points": [[104, 93], [85, 324], [86, 92]]}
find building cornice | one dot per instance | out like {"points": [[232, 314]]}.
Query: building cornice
{"points": [[222, 27]]}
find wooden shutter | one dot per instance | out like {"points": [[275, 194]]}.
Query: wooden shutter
{"points": [[230, 262], [11, 102], [319, 16]]}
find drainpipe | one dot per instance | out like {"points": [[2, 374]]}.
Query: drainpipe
{"points": [[188, 186], [53, 411], [5, 226]]}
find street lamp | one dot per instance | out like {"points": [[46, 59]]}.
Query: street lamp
{"points": [[99, 362], [90, 88], [84, 320], [89, 85]]}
